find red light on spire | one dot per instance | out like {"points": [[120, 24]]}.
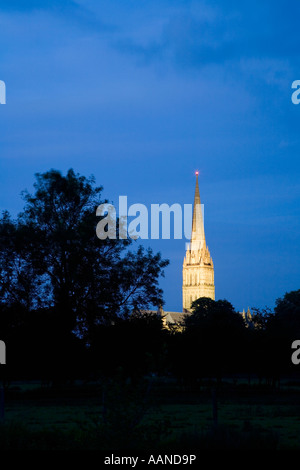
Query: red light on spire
{"points": [[197, 173]]}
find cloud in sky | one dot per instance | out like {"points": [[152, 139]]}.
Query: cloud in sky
{"points": [[196, 35], [141, 94], [28, 5]]}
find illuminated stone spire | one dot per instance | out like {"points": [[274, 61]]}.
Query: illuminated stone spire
{"points": [[198, 268], [198, 236]]}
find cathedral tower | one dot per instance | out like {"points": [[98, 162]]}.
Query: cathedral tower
{"points": [[198, 268]]}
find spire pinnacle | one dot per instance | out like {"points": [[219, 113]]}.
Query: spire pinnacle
{"points": [[198, 237]]}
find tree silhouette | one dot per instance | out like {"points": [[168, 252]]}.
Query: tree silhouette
{"points": [[54, 266], [214, 337]]}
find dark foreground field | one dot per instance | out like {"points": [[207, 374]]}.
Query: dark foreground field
{"points": [[155, 416]]}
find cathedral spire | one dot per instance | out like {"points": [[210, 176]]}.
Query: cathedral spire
{"points": [[198, 268], [198, 236]]}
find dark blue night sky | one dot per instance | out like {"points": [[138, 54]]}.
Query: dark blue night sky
{"points": [[143, 93]]}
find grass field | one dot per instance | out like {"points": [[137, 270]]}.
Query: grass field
{"points": [[246, 418]]}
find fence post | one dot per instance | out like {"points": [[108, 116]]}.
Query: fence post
{"points": [[1, 404], [214, 406]]}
